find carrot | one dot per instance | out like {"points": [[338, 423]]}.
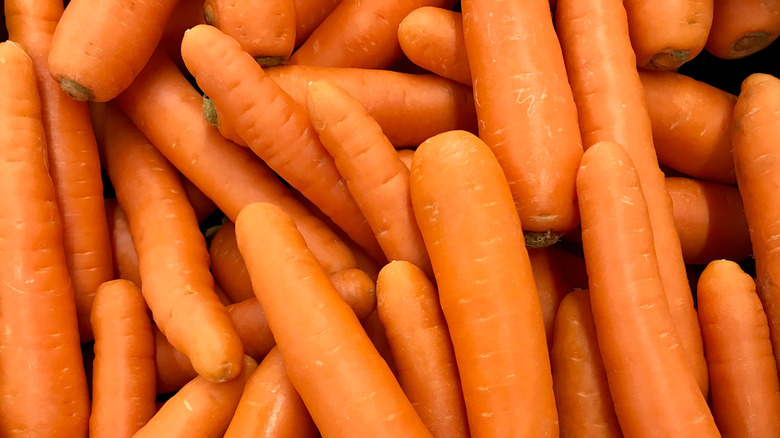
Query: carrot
{"points": [[225, 128], [98, 49], [691, 124], [312, 325], [756, 129], [376, 332], [360, 33], [122, 247], [611, 106], [743, 27], [570, 266], [525, 107], [172, 254], [270, 407], [308, 15], [227, 266], [375, 176], [74, 164], [666, 34], [201, 203], [639, 345], [710, 220], [123, 380], [486, 287], [406, 155], [408, 306], [550, 285], [433, 39], [743, 371], [201, 409], [187, 14], [43, 387], [275, 127], [265, 30], [579, 378], [228, 175]]}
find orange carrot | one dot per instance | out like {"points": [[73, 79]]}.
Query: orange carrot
{"points": [[312, 325], [123, 380], [525, 107], [550, 285], [406, 156], [172, 254], [227, 266], [172, 369], [468, 219], [43, 387], [201, 203], [122, 247], [98, 49], [308, 15], [376, 332], [743, 27], [187, 14], [611, 106], [639, 345], [579, 379], [270, 407], [570, 266]]}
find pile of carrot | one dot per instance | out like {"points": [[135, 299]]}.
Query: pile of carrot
{"points": [[431, 218]]}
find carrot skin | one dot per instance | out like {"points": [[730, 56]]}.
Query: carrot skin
{"points": [[741, 28], [122, 247], [550, 285]]}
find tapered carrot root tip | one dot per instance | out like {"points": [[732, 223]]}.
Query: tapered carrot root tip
{"points": [[210, 112], [749, 44], [76, 91], [539, 239], [270, 61], [669, 60]]}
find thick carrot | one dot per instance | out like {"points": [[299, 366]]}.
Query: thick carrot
{"points": [[308, 15], [654, 390], [43, 387], [274, 126], [123, 379], [201, 409], [172, 254], [611, 106], [360, 33], [230, 176], [691, 123], [122, 247], [99, 48], [408, 306], [743, 27], [579, 378], [550, 285], [743, 371], [74, 164], [525, 107], [710, 220], [270, 407], [468, 219], [346, 386], [754, 141], [375, 176]]}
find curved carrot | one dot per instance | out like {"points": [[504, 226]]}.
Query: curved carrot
{"points": [[74, 164], [122, 247], [123, 379], [230, 176], [710, 220], [409, 309], [550, 285], [375, 176], [525, 107], [172, 254], [98, 48], [611, 106], [743, 371], [486, 287], [308, 15], [754, 142], [312, 325], [43, 387], [270, 407], [743, 27], [639, 345], [691, 124], [579, 378], [274, 126]]}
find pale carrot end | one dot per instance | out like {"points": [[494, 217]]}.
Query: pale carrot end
{"points": [[541, 239], [210, 112], [749, 44], [76, 91], [669, 59]]}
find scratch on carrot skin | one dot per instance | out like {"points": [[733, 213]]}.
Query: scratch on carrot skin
{"points": [[188, 405]]}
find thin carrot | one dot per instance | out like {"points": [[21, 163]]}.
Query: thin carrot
{"points": [[98, 48], [571, 267], [611, 106], [187, 14], [525, 107], [227, 266], [43, 387], [406, 155], [579, 378], [409, 309], [122, 247], [274, 126], [270, 407], [74, 164], [172, 254], [754, 140], [468, 220], [201, 203], [123, 380], [743, 27], [172, 368], [227, 174], [313, 325], [308, 15], [654, 390], [376, 332], [550, 285]]}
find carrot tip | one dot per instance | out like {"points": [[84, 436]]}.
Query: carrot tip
{"points": [[669, 60], [270, 61], [210, 112], [76, 91], [541, 239], [749, 44]]}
